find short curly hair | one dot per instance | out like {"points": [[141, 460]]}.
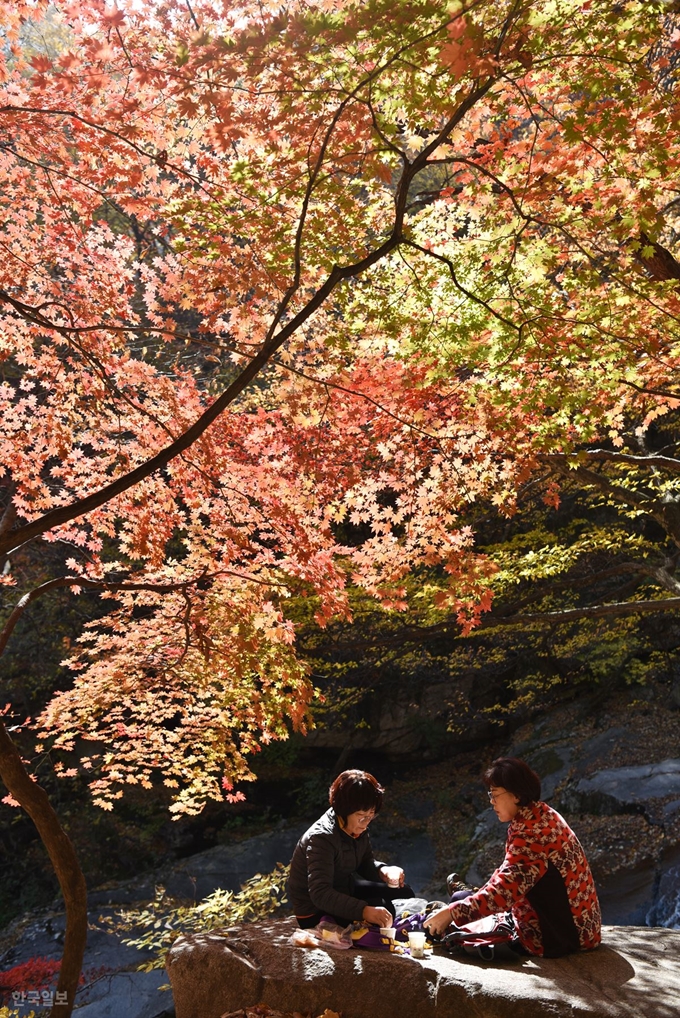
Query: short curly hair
{"points": [[515, 776], [355, 790]]}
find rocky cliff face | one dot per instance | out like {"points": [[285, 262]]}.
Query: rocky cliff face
{"points": [[615, 778], [613, 772]]}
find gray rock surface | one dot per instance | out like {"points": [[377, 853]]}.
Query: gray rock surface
{"points": [[224, 866], [126, 995], [634, 974], [412, 850], [634, 784], [112, 988]]}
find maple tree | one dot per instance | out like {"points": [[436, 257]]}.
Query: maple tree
{"points": [[271, 273]]}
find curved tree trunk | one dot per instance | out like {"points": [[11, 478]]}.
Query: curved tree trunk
{"points": [[34, 800]]}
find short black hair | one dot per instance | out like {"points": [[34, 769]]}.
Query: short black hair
{"points": [[353, 791], [515, 776]]}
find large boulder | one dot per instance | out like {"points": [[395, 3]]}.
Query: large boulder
{"points": [[615, 787], [634, 974]]}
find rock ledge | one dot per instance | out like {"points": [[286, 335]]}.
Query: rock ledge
{"points": [[634, 974]]}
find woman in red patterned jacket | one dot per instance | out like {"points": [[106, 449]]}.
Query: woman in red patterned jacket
{"points": [[544, 881]]}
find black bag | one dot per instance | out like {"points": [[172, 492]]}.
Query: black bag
{"points": [[488, 938]]}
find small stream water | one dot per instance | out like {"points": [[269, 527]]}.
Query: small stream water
{"points": [[666, 908], [666, 912], [644, 896]]}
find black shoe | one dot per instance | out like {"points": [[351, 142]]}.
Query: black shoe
{"points": [[454, 883]]}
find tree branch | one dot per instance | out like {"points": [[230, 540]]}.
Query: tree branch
{"points": [[64, 514], [115, 586], [610, 456], [565, 465], [661, 265], [618, 609], [651, 392], [80, 581], [665, 510]]}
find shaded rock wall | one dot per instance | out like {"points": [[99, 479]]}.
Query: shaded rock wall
{"points": [[614, 780]]}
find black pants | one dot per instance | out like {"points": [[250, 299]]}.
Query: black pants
{"points": [[374, 892], [461, 895]]}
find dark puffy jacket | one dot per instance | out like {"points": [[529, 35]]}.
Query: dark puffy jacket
{"points": [[322, 868]]}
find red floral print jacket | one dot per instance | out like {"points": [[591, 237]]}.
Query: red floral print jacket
{"points": [[545, 881]]}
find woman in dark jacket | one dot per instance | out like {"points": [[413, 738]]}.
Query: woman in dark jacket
{"points": [[333, 872], [544, 881]]}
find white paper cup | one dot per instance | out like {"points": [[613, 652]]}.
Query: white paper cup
{"points": [[388, 931], [393, 874], [416, 943]]}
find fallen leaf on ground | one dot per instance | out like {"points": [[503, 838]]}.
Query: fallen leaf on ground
{"points": [[264, 1011]]}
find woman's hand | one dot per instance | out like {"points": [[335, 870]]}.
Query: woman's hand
{"points": [[379, 916], [437, 922]]}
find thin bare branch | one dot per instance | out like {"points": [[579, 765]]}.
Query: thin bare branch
{"points": [[615, 610], [668, 463]]}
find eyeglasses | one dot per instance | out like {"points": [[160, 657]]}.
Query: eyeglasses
{"points": [[492, 797]]}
